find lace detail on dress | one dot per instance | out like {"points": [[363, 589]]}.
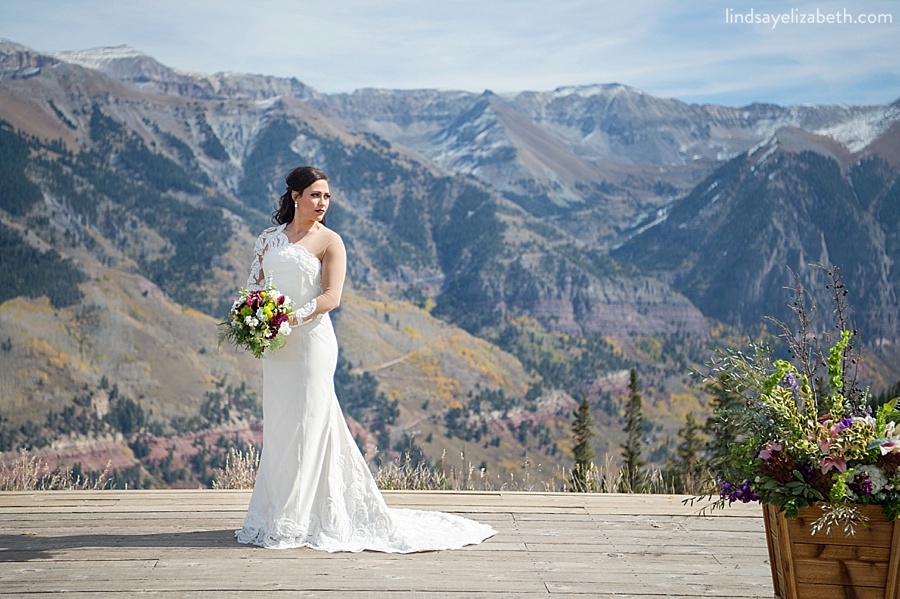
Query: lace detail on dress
{"points": [[294, 252], [353, 517], [307, 309], [270, 238], [350, 519]]}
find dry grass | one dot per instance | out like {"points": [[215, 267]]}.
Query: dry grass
{"points": [[30, 473], [606, 478], [402, 475], [240, 470]]}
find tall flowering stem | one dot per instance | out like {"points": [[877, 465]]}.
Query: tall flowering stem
{"points": [[835, 366]]}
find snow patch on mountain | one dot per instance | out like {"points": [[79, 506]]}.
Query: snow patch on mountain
{"points": [[99, 58], [589, 91], [128, 65], [857, 133]]}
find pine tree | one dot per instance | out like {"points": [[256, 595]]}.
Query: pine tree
{"points": [[632, 476], [885, 396], [686, 470], [581, 450], [720, 429]]}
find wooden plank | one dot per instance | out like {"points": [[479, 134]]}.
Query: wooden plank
{"points": [[830, 591], [319, 594], [835, 553], [870, 536], [238, 499], [246, 578], [852, 573], [639, 587]]}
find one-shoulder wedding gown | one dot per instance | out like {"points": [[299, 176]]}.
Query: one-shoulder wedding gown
{"points": [[313, 487]]}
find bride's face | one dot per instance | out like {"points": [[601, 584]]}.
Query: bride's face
{"points": [[313, 202]]}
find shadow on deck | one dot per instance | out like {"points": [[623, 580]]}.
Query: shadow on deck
{"points": [[181, 544]]}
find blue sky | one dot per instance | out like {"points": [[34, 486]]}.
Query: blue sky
{"points": [[664, 47]]}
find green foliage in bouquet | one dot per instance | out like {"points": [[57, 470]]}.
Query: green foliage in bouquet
{"points": [[807, 432]]}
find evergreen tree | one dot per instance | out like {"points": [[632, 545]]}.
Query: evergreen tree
{"points": [[632, 476], [582, 451], [686, 471], [885, 396], [721, 428]]}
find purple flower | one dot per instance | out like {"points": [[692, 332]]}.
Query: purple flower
{"points": [[846, 423], [807, 470], [741, 492], [862, 485], [789, 381]]}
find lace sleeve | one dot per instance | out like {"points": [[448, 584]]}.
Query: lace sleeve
{"points": [[257, 276], [307, 309]]}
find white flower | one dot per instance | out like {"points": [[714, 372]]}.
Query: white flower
{"points": [[892, 433], [251, 322], [284, 328], [876, 476]]}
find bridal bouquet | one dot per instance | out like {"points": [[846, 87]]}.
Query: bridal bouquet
{"points": [[258, 320]]}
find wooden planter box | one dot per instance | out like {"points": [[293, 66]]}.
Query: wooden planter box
{"points": [[834, 566]]}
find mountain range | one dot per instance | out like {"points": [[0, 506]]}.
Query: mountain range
{"points": [[534, 245]]}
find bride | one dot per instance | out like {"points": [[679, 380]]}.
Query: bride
{"points": [[314, 488]]}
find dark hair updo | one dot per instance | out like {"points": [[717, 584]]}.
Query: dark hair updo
{"points": [[297, 180]]}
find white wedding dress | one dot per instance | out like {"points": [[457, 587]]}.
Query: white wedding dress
{"points": [[313, 487]]}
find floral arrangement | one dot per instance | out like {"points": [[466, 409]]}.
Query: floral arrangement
{"points": [[806, 433], [258, 320]]}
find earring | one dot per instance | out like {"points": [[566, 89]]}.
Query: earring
{"points": [[295, 205]]}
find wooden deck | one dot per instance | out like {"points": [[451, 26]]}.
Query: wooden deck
{"points": [[180, 544]]}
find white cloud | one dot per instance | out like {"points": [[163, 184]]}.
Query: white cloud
{"points": [[666, 48]]}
